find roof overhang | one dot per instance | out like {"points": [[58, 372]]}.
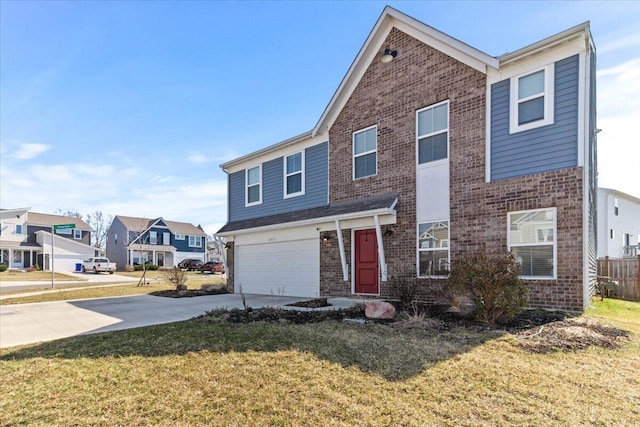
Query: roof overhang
{"points": [[341, 211]]}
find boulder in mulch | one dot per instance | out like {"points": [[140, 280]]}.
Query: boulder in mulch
{"points": [[379, 310]]}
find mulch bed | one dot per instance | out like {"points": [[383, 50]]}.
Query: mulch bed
{"points": [[314, 303], [189, 293]]}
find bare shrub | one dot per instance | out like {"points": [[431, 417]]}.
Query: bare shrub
{"points": [[492, 283], [177, 278], [404, 288]]}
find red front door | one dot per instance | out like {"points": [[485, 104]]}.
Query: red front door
{"points": [[366, 262]]}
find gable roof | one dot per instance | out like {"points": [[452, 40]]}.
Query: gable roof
{"points": [[373, 47], [48, 220], [143, 224]]}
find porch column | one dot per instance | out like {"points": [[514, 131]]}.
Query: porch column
{"points": [[10, 262], [343, 257], [383, 264]]}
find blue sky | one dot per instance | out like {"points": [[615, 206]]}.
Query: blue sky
{"points": [[129, 107]]}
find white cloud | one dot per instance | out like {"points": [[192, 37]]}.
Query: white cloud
{"points": [[29, 151], [198, 158]]}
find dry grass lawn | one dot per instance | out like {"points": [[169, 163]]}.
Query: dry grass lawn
{"points": [[205, 373], [17, 276]]}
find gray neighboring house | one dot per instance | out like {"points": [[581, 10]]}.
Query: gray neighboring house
{"points": [[134, 240], [25, 240]]}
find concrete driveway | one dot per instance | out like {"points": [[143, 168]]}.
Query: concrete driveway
{"points": [[46, 321]]}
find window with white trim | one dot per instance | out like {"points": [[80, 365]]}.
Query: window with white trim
{"points": [[531, 103], [433, 133], [77, 234], [179, 237], [18, 228], [253, 179], [531, 237], [615, 206], [153, 237], [195, 241], [294, 175], [433, 248], [365, 152]]}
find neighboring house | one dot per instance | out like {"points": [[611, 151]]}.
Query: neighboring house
{"points": [[618, 224], [25, 240], [132, 240], [428, 149]]}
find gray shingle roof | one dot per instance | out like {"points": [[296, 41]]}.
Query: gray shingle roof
{"points": [[333, 209]]}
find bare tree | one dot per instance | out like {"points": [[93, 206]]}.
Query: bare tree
{"points": [[99, 224], [69, 213]]}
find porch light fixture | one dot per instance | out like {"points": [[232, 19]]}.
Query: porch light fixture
{"points": [[388, 55], [326, 237], [388, 232]]}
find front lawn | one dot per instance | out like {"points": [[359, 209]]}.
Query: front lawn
{"points": [[204, 372], [19, 276]]}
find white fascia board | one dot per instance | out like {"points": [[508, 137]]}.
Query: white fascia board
{"points": [[390, 18], [46, 236], [265, 151], [579, 31], [312, 221]]}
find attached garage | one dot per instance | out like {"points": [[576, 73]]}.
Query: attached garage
{"points": [[289, 268]]}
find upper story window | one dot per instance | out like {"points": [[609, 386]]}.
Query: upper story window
{"points": [[532, 100], [294, 175], [153, 237], [433, 133], [253, 181], [18, 228], [531, 238], [77, 234], [365, 152], [615, 206], [195, 241]]}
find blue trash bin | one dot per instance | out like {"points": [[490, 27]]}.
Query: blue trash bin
{"points": [[79, 267]]}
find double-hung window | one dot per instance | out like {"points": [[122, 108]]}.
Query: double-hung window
{"points": [[531, 237], [77, 234], [433, 133], [532, 100], [294, 175], [153, 237], [195, 241], [433, 248], [253, 179], [365, 152], [18, 228]]}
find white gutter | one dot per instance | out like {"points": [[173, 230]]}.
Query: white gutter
{"points": [[343, 257], [313, 221], [383, 263]]}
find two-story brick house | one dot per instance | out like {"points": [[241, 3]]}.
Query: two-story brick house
{"points": [[428, 149], [134, 240], [25, 240]]}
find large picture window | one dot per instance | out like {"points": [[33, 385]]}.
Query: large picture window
{"points": [[294, 175], [365, 149], [433, 248], [532, 100], [433, 133], [532, 240], [254, 186]]}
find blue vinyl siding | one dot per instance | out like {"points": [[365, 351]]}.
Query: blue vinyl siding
{"points": [[542, 149], [183, 245], [273, 201]]}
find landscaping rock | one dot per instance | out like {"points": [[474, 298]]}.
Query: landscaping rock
{"points": [[380, 310]]}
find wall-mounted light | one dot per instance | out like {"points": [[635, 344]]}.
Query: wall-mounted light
{"points": [[226, 245], [326, 237], [388, 55], [388, 232]]}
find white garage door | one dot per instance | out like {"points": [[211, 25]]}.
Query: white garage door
{"points": [[284, 268]]}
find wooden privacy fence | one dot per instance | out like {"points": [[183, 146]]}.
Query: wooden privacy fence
{"points": [[626, 272]]}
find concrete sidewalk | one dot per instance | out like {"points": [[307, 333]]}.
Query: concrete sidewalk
{"points": [[83, 279], [46, 321]]}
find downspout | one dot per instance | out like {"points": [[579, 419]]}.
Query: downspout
{"points": [[343, 257], [383, 264], [223, 253]]}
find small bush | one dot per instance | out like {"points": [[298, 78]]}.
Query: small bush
{"points": [[404, 288], [36, 267], [137, 267], [152, 267], [3, 268], [177, 278], [492, 283]]}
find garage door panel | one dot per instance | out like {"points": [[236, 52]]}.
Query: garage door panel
{"points": [[283, 268]]}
